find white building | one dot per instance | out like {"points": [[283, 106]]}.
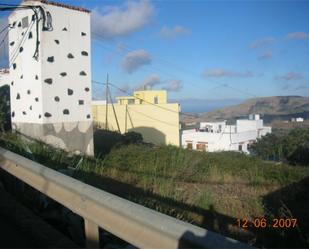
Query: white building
{"points": [[299, 119], [50, 74], [4, 77], [218, 136]]}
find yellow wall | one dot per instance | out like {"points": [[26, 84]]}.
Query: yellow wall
{"points": [[157, 125], [148, 96]]}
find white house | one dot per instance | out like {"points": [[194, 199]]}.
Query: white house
{"points": [[299, 119], [4, 77], [218, 136], [50, 74]]}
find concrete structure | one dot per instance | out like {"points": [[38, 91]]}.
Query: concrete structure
{"points": [[4, 77], [50, 74], [146, 112], [218, 136]]}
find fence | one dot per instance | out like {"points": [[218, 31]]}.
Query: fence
{"points": [[138, 225]]}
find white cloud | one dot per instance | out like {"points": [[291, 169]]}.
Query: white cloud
{"points": [[289, 76], [173, 86], [150, 82], [121, 20], [262, 42], [298, 36], [135, 59], [219, 72], [174, 32], [266, 55]]}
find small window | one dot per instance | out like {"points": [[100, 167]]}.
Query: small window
{"points": [[131, 101], [25, 22], [156, 101], [240, 147], [189, 146], [201, 146]]}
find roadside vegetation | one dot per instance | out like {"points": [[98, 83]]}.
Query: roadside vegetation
{"points": [[211, 190]]}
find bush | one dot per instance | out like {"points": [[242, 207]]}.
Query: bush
{"points": [[292, 147]]}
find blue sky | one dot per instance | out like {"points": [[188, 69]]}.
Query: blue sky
{"points": [[201, 49]]}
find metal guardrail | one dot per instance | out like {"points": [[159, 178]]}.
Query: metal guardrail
{"points": [[136, 224]]}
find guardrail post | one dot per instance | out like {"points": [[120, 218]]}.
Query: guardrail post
{"points": [[91, 234]]}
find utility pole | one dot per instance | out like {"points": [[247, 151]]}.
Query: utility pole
{"points": [[106, 98]]}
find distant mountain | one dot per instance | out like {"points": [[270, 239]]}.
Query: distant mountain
{"points": [[272, 108]]}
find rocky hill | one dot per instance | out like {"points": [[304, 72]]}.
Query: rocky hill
{"points": [[271, 108]]}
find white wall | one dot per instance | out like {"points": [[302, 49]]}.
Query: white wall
{"points": [[36, 97], [23, 76]]}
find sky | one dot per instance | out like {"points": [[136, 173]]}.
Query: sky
{"points": [[216, 50]]}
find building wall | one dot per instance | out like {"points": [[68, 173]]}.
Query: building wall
{"points": [[219, 141], [157, 125], [51, 96]]}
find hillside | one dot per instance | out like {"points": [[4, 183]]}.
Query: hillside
{"points": [[272, 108]]}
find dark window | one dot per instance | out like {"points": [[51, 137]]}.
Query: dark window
{"points": [[19, 24], [30, 35], [14, 66], [12, 83], [63, 74], [47, 115], [240, 147], [28, 91], [13, 114], [70, 56], [87, 89], [25, 22], [18, 96], [12, 43], [84, 53], [88, 116], [21, 76], [36, 77], [57, 41], [156, 101], [57, 99], [21, 49], [81, 102], [82, 73], [189, 146], [24, 113], [30, 107], [83, 34], [36, 99], [64, 29]]}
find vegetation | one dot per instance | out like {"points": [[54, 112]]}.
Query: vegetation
{"points": [[211, 190], [291, 147]]}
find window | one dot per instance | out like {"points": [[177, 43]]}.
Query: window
{"points": [[156, 101], [189, 145], [130, 101], [239, 147], [25, 22], [201, 146]]}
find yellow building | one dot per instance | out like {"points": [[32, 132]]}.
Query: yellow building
{"points": [[146, 112]]}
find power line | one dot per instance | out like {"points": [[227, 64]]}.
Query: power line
{"points": [[99, 38], [126, 92]]}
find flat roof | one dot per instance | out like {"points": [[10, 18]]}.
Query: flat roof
{"points": [[59, 5]]}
